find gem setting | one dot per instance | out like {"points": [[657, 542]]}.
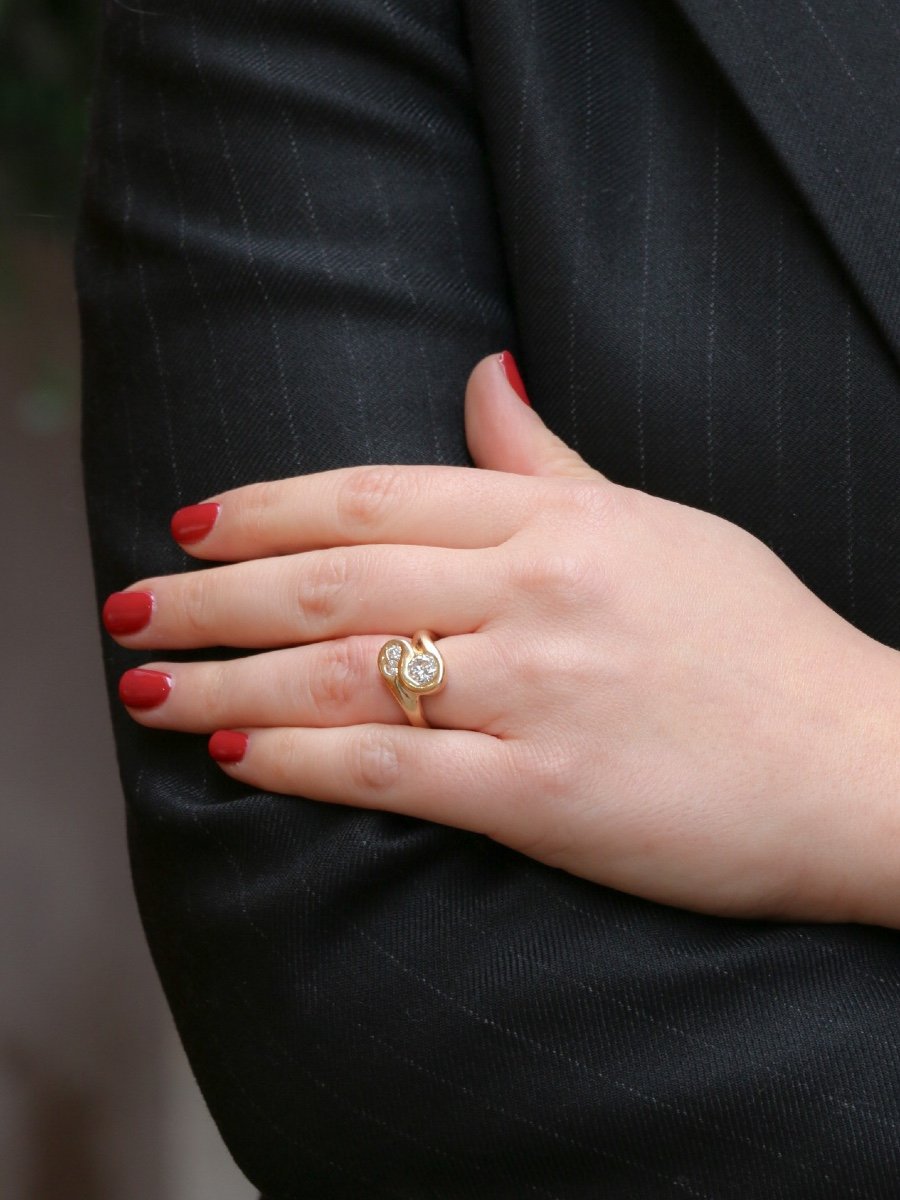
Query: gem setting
{"points": [[412, 668], [420, 670]]}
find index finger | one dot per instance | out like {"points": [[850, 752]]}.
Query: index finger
{"points": [[461, 507]]}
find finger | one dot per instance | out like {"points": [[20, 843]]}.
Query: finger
{"points": [[311, 597], [325, 684], [456, 777], [462, 507]]}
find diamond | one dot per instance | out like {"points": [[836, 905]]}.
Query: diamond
{"points": [[391, 658], [421, 669]]}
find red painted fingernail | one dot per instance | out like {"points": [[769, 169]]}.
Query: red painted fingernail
{"points": [[139, 688], [228, 746], [511, 370], [193, 523], [127, 612]]}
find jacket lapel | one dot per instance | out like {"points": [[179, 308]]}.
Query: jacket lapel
{"points": [[822, 78]]}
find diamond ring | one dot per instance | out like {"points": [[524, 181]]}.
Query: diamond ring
{"points": [[412, 668]]}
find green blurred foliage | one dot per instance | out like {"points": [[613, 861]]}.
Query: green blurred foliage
{"points": [[47, 52]]}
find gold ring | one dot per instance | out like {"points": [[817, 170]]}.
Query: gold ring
{"points": [[412, 668]]}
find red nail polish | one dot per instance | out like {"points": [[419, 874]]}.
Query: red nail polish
{"points": [[511, 370], [139, 688], [228, 746], [127, 612], [193, 523]]}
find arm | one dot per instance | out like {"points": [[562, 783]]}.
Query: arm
{"points": [[287, 261]]}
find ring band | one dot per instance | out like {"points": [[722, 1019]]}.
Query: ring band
{"points": [[412, 668]]}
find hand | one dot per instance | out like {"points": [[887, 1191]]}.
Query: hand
{"points": [[638, 692]]}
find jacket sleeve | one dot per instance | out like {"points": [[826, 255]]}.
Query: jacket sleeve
{"points": [[288, 259]]}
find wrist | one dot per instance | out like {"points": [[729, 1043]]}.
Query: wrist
{"points": [[864, 829]]}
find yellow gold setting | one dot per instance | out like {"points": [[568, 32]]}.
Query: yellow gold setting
{"points": [[412, 668]]}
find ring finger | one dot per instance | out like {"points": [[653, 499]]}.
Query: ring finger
{"points": [[308, 597], [327, 683]]}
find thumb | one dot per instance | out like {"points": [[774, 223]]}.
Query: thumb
{"points": [[505, 434]]}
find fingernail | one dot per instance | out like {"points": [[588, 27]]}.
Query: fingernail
{"points": [[193, 523], [228, 746], [511, 370], [140, 688], [127, 612]]}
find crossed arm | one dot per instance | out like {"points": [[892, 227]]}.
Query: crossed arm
{"points": [[639, 692]]}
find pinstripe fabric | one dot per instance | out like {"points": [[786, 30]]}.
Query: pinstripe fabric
{"points": [[821, 80], [302, 224]]}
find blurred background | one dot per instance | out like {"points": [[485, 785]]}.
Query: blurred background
{"points": [[96, 1099]]}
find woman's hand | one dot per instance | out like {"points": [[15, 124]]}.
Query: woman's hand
{"points": [[638, 692]]}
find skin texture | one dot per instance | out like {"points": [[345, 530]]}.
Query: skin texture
{"points": [[638, 692]]}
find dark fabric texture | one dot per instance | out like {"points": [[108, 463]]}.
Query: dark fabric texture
{"points": [[303, 222]]}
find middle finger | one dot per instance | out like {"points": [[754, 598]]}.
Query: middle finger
{"points": [[312, 596]]}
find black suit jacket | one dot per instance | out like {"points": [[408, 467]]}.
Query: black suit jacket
{"points": [[303, 222]]}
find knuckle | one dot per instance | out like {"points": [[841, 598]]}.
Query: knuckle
{"points": [[559, 576], [600, 504], [525, 821], [367, 494], [551, 768], [522, 663], [255, 506], [335, 681], [281, 761], [324, 575], [208, 688], [374, 764], [196, 604]]}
